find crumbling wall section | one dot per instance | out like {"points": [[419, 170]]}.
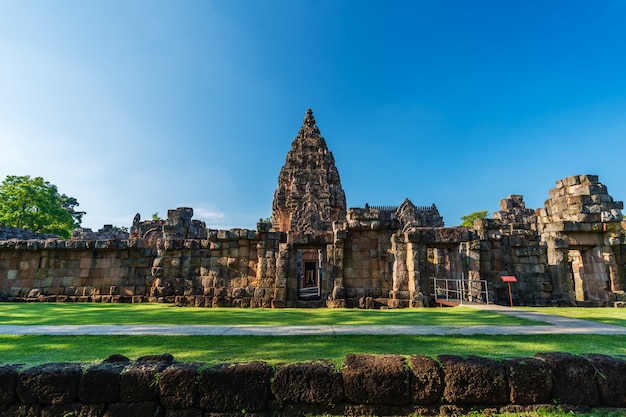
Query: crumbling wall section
{"points": [[581, 225], [511, 245], [363, 243], [235, 268], [365, 385], [58, 270]]}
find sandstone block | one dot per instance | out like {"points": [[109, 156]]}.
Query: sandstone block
{"points": [[53, 383], [147, 409], [474, 380], [140, 382], [235, 387], [178, 386], [311, 383], [530, 380], [426, 379], [574, 381], [101, 383], [610, 380], [370, 379], [8, 384]]}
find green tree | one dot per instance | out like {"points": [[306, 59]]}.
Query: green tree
{"points": [[468, 220], [35, 204]]}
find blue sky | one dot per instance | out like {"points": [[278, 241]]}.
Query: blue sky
{"points": [[144, 106]]}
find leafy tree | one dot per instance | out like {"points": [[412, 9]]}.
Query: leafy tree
{"points": [[35, 204], [468, 220], [155, 216]]}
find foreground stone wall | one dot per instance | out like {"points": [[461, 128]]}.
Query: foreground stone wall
{"points": [[365, 385]]}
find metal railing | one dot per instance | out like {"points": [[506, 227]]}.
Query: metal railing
{"points": [[460, 290]]}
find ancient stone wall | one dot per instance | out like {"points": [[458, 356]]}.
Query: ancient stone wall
{"points": [[235, 268], [581, 227], [58, 270], [108, 232], [316, 253], [511, 246], [365, 385], [366, 267], [229, 268]]}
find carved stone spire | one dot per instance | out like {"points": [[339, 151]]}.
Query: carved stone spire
{"points": [[309, 195]]}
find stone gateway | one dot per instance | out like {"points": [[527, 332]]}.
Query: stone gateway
{"points": [[316, 252]]}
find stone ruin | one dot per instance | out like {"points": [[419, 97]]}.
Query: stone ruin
{"points": [[317, 252]]}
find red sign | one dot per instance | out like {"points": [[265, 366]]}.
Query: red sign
{"points": [[508, 278]]}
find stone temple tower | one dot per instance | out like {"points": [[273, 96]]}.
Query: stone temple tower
{"points": [[309, 197]]}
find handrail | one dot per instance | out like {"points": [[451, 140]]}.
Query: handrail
{"points": [[469, 290]]}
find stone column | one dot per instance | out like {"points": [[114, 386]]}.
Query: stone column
{"points": [[282, 272], [400, 283]]}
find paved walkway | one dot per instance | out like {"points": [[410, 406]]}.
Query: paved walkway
{"points": [[552, 325]]}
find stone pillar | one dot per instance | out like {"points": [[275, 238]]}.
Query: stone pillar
{"points": [[417, 277], [282, 272], [400, 283]]}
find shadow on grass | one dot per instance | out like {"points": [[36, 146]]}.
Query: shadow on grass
{"points": [[81, 314], [207, 349], [606, 315]]}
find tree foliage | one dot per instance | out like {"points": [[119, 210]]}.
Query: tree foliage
{"points": [[468, 220], [35, 204]]}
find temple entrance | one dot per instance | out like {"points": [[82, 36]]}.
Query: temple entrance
{"points": [[449, 279], [590, 274], [309, 273]]}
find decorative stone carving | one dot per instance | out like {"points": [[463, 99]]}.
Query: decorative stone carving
{"points": [[309, 197]]}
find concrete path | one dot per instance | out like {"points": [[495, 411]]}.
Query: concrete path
{"points": [[553, 325]]}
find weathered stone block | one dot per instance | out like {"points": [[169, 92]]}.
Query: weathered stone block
{"points": [[426, 379], [529, 379], [610, 380], [235, 387], [8, 384], [139, 381], [474, 380], [53, 383], [76, 409], [101, 382], [311, 383], [135, 409], [574, 381], [178, 386], [370, 379]]}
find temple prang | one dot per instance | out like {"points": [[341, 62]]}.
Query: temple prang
{"points": [[309, 197], [318, 253]]}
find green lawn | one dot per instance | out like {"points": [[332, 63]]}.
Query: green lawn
{"points": [[210, 349], [32, 349], [607, 315], [80, 314]]}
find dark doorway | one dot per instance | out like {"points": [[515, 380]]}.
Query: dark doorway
{"points": [[309, 273]]}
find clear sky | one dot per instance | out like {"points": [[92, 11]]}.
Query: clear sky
{"points": [[144, 106]]}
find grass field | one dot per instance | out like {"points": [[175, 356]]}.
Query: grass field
{"points": [[33, 349], [80, 314], [615, 316]]}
